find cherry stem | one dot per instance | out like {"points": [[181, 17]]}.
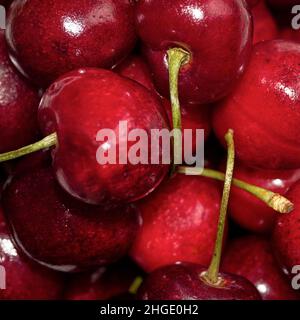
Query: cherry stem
{"points": [[135, 285], [45, 143], [274, 200], [176, 58], [212, 274]]}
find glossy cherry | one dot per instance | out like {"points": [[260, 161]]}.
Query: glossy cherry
{"points": [[25, 280], [265, 26], [249, 212], [252, 257], [265, 100], [18, 105], [76, 107], [184, 282], [65, 234], [286, 235], [179, 223], [216, 59], [102, 284], [68, 35]]}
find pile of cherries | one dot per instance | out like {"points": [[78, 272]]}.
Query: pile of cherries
{"points": [[71, 228]]}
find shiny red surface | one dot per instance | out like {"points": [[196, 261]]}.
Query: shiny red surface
{"points": [[77, 106], [252, 257], [179, 223], [18, 105], [62, 233], [217, 58], [264, 109], [183, 282], [50, 37]]}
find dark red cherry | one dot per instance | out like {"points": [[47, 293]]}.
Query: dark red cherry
{"points": [[179, 223], [286, 236], [288, 33], [249, 212], [217, 59], [265, 26], [102, 284], [18, 105], [283, 3], [184, 282], [252, 257], [24, 279], [253, 3], [77, 106], [264, 101], [68, 35], [65, 234]]}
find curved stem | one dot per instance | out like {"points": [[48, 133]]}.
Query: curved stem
{"points": [[212, 274], [272, 199], [47, 142], [176, 58]]}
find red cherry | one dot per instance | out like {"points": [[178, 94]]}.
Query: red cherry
{"points": [[184, 282], [77, 106], [179, 223], [252, 257], [286, 236], [102, 284], [18, 105], [217, 59], [68, 35], [265, 27], [248, 211], [65, 234], [253, 3], [288, 33], [264, 101], [25, 280]]}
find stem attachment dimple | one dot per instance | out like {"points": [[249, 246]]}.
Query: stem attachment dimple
{"points": [[47, 142], [212, 274], [177, 57]]}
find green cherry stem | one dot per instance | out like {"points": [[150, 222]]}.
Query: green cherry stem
{"points": [[135, 285], [212, 274], [177, 57], [274, 200], [45, 143]]}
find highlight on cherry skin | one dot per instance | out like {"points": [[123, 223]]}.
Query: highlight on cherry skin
{"points": [[162, 82]]}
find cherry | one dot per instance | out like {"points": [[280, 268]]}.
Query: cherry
{"points": [[282, 3], [25, 280], [179, 223], [183, 282], [286, 237], [68, 35], [76, 107], [63, 233], [187, 281], [265, 100], [102, 284], [265, 26], [213, 60], [253, 3], [18, 105], [248, 211], [252, 257]]}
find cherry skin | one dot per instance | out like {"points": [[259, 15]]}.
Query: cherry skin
{"points": [[252, 257], [192, 117], [102, 284], [184, 282], [249, 212], [282, 3], [217, 59], [25, 280], [266, 99], [179, 223], [265, 26], [76, 236], [253, 3], [288, 33], [18, 105], [76, 107], [286, 235], [68, 35]]}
